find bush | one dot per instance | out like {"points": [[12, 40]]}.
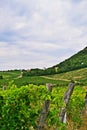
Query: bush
{"points": [[1, 77]]}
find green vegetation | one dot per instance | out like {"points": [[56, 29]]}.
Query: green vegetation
{"points": [[79, 76], [38, 72], [77, 61], [1, 77], [7, 76], [37, 80], [20, 108], [22, 99], [20, 80], [61, 79]]}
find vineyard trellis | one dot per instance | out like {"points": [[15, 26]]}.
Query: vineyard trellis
{"points": [[46, 105], [63, 112], [20, 108]]}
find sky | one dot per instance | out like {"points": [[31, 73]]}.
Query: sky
{"points": [[41, 33]]}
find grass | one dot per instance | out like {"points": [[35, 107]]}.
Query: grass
{"points": [[79, 76], [38, 81], [8, 76], [25, 80], [62, 79]]}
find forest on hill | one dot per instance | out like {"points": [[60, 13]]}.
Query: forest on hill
{"points": [[75, 62]]}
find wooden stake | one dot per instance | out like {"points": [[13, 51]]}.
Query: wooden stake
{"points": [[67, 95], [45, 109]]}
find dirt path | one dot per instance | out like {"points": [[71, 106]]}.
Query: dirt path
{"points": [[54, 78]]}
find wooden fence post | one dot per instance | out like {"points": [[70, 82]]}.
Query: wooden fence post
{"points": [[67, 95], [45, 109], [86, 103], [86, 100]]}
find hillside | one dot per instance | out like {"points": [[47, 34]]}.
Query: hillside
{"points": [[24, 93], [79, 76], [15, 77], [75, 62], [74, 68], [61, 79]]}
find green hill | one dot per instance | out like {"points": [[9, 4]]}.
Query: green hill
{"points": [[75, 62], [79, 76], [74, 68]]}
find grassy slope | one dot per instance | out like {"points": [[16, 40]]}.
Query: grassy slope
{"points": [[59, 79], [20, 81], [76, 75], [77, 61], [8, 76]]}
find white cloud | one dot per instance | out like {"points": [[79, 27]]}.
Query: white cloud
{"points": [[33, 33]]}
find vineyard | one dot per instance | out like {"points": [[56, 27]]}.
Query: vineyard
{"points": [[19, 80], [21, 108]]}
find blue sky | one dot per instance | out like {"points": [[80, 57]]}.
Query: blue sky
{"points": [[41, 33]]}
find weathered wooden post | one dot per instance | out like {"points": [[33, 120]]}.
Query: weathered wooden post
{"points": [[86, 103], [45, 109], [86, 100], [67, 95]]}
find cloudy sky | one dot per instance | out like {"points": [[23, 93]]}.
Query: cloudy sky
{"points": [[41, 33]]}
